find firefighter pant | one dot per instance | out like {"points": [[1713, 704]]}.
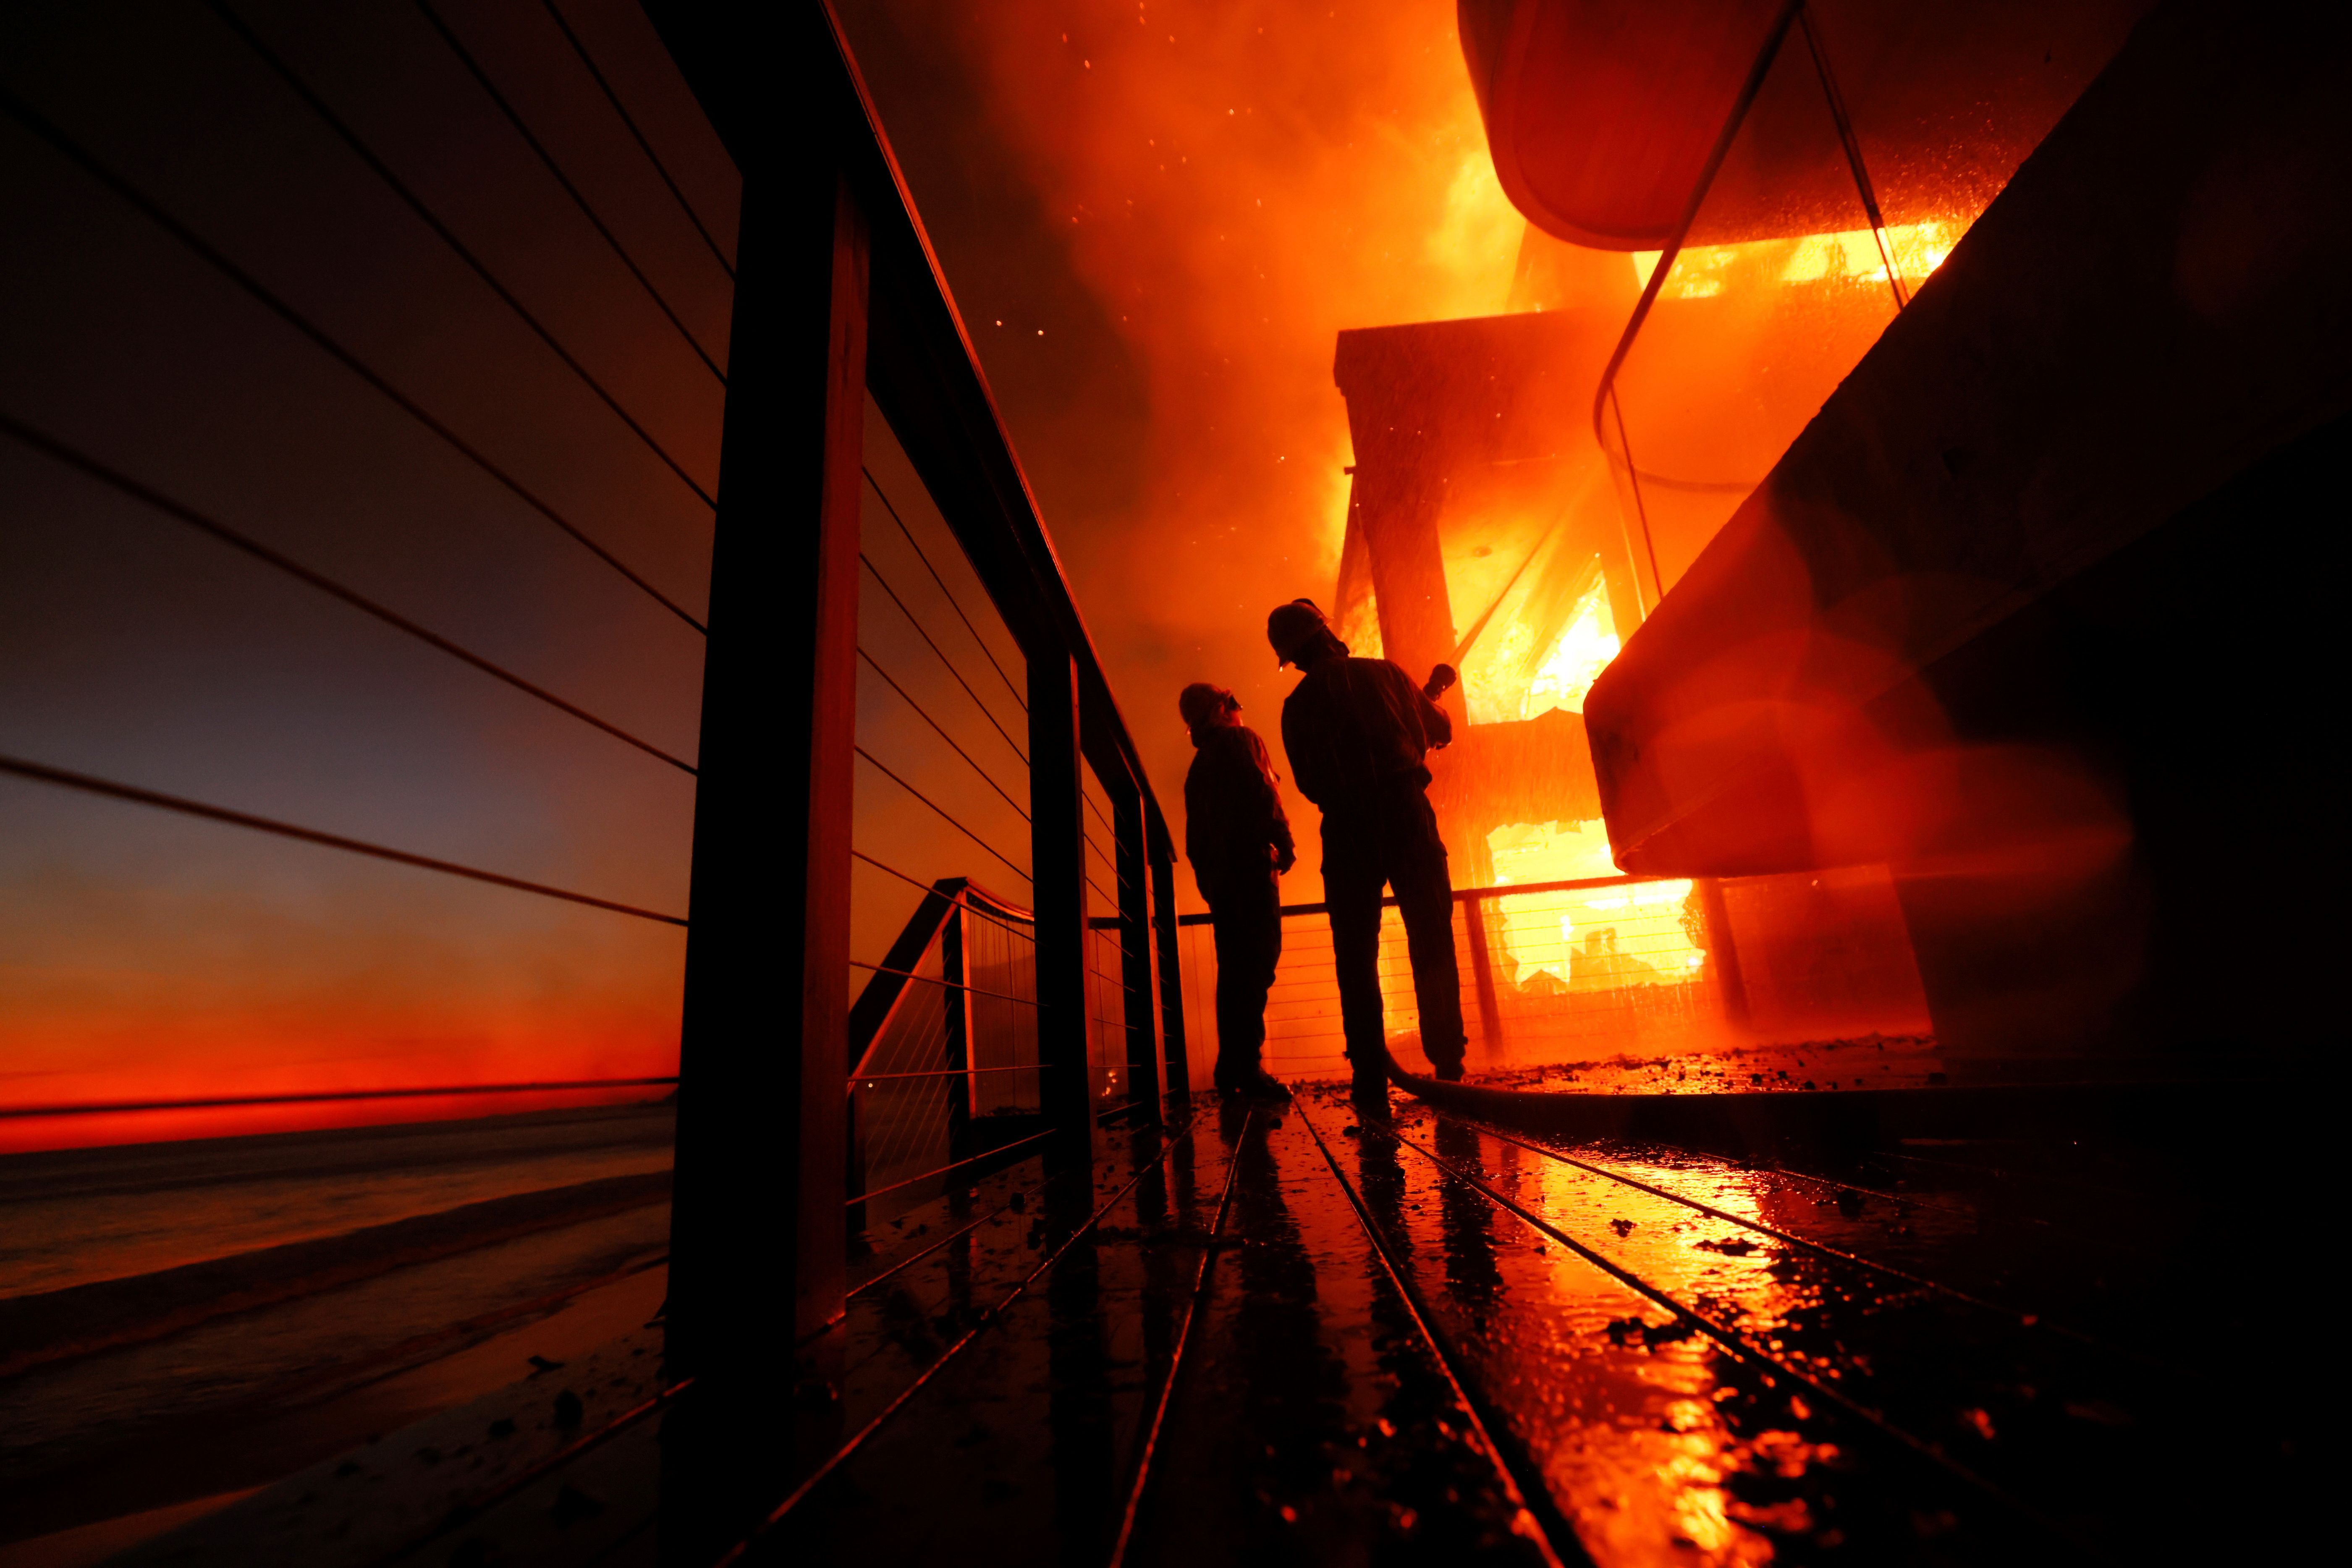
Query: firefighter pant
{"points": [[1247, 921], [1389, 838]]}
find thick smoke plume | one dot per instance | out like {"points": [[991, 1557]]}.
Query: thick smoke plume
{"points": [[1230, 186]]}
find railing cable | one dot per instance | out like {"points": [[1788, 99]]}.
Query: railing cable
{"points": [[953, 603], [1012, 927], [867, 562], [869, 1080], [514, 117], [854, 1199], [399, 187], [945, 815], [42, 442], [1107, 858], [646, 147], [854, 1441], [943, 735], [950, 984], [47, 130], [44, 773]]}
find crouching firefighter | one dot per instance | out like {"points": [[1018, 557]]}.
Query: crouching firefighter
{"points": [[1357, 731], [1239, 842]]}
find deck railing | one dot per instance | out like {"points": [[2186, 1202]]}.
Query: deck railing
{"points": [[899, 689], [1548, 972]]}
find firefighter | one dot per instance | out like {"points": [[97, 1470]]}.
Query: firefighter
{"points": [[1239, 842], [1357, 731]]}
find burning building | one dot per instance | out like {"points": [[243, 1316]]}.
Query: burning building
{"points": [[1870, 547], [1701, 364]]}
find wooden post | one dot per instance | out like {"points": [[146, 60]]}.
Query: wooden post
{"points": [[1482, 973], [1160, 850], [1135, 949], [757, 1238], [1723, 952], [1057, 860]]}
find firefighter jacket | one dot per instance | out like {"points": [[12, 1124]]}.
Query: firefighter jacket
{"points": [[1352, 726], [1234, 828]]}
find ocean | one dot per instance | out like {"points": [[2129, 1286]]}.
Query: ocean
{"points": [[180, 1321]]}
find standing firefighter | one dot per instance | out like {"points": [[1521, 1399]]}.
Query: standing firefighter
{"points": [[1357, 731], [1238, 840]]}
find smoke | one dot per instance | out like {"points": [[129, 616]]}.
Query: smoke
{"points": [[1230, 188]]}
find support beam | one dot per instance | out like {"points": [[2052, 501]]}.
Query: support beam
{"points": [[1160, 850], [757, 1239], [1476, 916], [1057, 861], [1723, 952], [1135, 949]]}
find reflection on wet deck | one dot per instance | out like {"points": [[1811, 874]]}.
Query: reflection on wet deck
{"points": [[1309, 1334]]}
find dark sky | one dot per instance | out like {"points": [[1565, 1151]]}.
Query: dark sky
{"points": [[1154, 223], [1155, 219]]}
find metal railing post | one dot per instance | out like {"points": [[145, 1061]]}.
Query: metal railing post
{"points": [[1135, 949], [956, 974], [1160, 849], [1057, 862], [757, 1225], [1482, 971]]}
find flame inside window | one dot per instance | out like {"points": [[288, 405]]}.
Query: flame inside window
{"points": [[1516, 680], [1576, 661], [1701, 271], [1600, 939]]}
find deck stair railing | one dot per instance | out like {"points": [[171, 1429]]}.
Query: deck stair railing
{"points": [[944, 1041]]}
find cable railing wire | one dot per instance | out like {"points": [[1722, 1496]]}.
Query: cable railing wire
{"points": [[1011, 927], [953, 603], [867, 562], [934, 723], [416, 203], [42, 442], [872, 1077], [1111, 862], [646, 147], [93, 784], [948, 984], [945, 815], [1116, 984], [514, 117], [952, 1165], [50, 131], [907, 1125]]}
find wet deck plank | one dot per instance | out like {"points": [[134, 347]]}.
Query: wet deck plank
{"points": [[1313, 1421], [1013, 1451]]}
